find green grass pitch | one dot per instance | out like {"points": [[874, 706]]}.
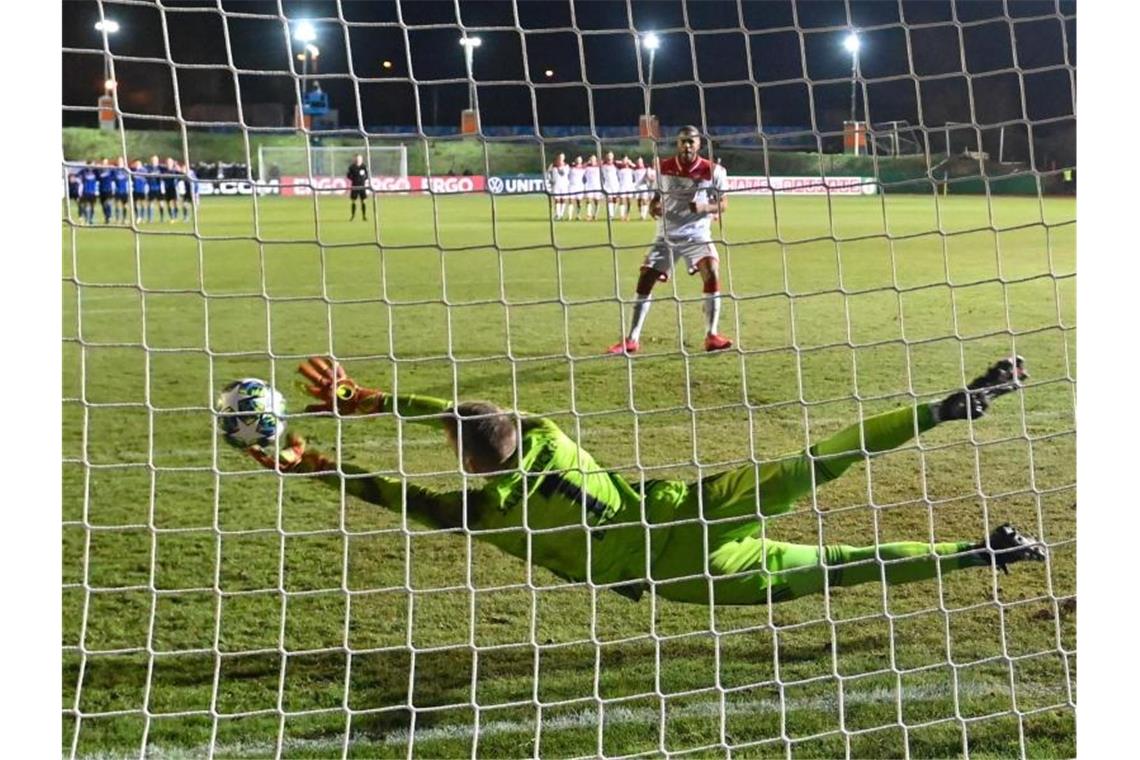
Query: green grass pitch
{"points": [[208, 603]]}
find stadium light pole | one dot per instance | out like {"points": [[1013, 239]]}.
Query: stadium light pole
{"points": [[852, 43], [469, 44], [305, 33], [107, 26], [650, 42], [314, 54]]}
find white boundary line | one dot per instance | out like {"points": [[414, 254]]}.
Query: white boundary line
{"points": [[584, 718]]}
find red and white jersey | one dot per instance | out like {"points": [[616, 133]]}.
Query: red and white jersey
{"points": [[577, 177], [681, 186], [559, 177], [592, 179], [625, 178], [610, 177], [639, 177]]}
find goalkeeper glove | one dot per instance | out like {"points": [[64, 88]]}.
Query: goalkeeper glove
{"points": [[292, 457], [337, 391]]}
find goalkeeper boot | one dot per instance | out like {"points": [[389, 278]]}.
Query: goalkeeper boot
{"points": [[1001, 378], [714, 342], [627, 346], [1008, 545]]}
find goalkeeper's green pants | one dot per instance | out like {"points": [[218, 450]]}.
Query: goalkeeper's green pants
{"points": [[721, 557]]}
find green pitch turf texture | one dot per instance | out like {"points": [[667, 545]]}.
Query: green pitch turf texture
{"points": [[212, 603]]}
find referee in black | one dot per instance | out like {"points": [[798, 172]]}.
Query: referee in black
{"points": [[358, 182]]}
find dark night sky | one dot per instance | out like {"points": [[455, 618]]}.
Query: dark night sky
{"points": [[792, 68]]}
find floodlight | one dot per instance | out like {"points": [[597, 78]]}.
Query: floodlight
{"points": [[651, 41], [110, 26], [851, 43], [305, 31]]}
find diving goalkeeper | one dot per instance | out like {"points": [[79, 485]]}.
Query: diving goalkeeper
{"points": [[545, 499]]}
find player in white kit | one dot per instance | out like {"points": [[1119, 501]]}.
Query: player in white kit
{"points": [[577, 188], [690, 190], [610, 183], [592, 180], [644, 181], [558, 175], [625, 187]]}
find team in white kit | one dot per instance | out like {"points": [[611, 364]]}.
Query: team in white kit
{"points": [[578, 188], [683, 193]]}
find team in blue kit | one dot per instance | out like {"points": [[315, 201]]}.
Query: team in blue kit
{"points": [[142, 187], [170, 188], [122, 179], [139, 191], [154, 189], [106, 188], [88, 190]]}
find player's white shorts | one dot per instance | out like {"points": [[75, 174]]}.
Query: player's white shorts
{"points": [[561, 190], [575, 191], [663, 253], [627, 190]]}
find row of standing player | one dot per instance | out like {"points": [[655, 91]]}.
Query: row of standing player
{"points": [[115, 187], [684, 193], [579, 187]]}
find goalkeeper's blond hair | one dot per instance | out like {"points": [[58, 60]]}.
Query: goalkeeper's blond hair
{"points": [[484, 434]]}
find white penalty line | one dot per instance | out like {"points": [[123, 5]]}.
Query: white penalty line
{"points": [[582, 718]]}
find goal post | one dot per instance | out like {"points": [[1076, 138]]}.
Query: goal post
{"points": [[274, 161], [215, 607]]}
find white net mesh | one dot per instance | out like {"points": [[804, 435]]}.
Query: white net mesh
{"points": [[382, 161], [212, 608]]}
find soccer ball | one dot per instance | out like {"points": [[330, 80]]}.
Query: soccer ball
{"points": [[249, 412]]}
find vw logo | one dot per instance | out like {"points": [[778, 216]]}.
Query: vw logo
{"points": [[495, 185]]}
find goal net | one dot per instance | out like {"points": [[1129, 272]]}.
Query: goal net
{"points": [[274, 162], [216, 608]]}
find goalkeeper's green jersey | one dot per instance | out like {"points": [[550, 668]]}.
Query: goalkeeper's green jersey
{"points": [[579, 516], [557, 508]]}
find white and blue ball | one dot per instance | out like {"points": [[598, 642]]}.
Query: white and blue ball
{"points": [[250, 412]]}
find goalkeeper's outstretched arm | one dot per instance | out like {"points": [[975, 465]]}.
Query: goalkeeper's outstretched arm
{"points": [[337, 392], [436, 509], [485, 436]]}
